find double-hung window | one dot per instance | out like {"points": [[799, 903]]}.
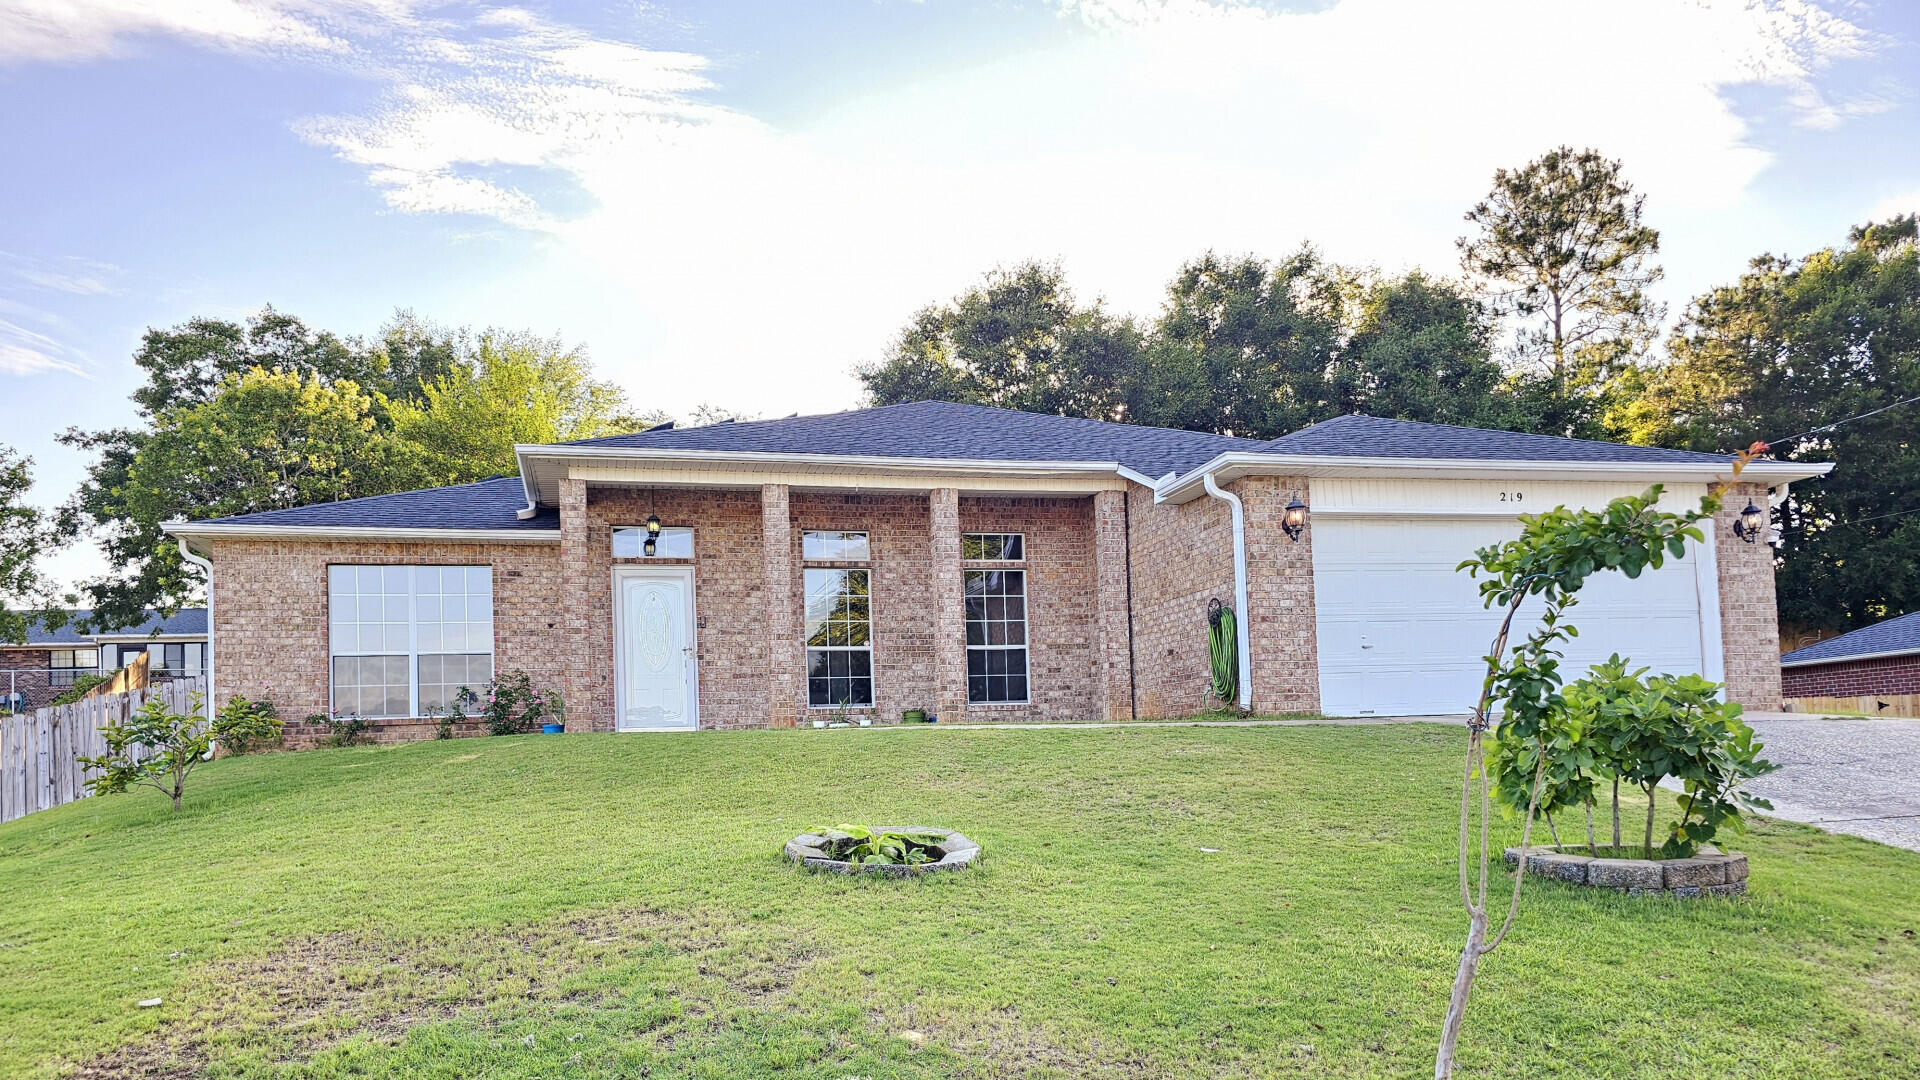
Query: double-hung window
{"points": [[839, 625], [405, 639], [996, 618]]}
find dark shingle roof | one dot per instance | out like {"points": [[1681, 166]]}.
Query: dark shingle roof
{"points": [[186, 621], [942, 429], [38, 636], [1898, 634], [489, 504], [1370, 436]]}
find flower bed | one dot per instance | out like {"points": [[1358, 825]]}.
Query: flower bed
{"points": [[945, 850], [1707, 873]]}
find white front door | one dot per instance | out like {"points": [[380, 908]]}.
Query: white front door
{"points": [[657, 678]]}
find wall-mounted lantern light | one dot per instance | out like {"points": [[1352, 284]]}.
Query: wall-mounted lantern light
{"points": [[1751, 522], [653, 535], [1293, 521]]}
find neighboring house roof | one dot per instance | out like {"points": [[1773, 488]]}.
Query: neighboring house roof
{"points": [[1895, 637], [1371, 436], [187, 622], [489, 504], [943, 429], [928, 434], [39, 637]]}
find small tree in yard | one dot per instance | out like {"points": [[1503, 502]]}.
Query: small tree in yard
{"points": [[160, 747], [1539, 737]]}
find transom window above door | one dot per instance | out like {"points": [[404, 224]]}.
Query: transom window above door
{"points": [[630, 542], [993, 547], [829, 546]]}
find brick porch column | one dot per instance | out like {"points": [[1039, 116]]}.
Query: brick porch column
{"points": [[785, 656], [1280, 626], [949, 619], [1749, 615], [584, 709], [1113, 651]]}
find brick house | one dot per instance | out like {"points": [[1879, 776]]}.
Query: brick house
{"points": [[37, 670], [973, 562], [1881, 660]]}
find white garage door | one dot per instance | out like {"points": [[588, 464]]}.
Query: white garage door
{"points": [[1401, 632]]}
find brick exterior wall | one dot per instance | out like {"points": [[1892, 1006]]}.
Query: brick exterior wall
{"points": [[1112, 599], [1286, 657], [786, 652], [1749, 616], [1062, 626], [730, 598], [1182, 557], [270, 619], [1853, 678], [949, 619], [24, 671]]}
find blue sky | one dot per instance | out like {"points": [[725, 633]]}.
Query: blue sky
{"points": [[734, 203]]}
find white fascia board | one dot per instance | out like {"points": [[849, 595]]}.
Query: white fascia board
{"points": [[532, 455], [1232, 465], [1849, 660], [210, 531], [129, 639]]}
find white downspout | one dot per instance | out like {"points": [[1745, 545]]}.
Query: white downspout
{"points": [[1241, 616], [207, 567]]}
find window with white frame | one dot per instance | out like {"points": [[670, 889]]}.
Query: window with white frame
{"points": [[993, 547], [630, 542], [839, 627], [996, 619], [405, 639]]}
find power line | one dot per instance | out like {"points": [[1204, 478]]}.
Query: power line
{"points": [[1847, 420], [1879, 517]]}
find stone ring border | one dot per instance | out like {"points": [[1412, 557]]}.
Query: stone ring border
{"points": [[1709, 873], [957, 853]]}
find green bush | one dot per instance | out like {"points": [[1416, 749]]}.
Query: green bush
{"points": [[1618, 725], [81, 684], [513, 706], [344, 730], [243, 717], [159, 747]]}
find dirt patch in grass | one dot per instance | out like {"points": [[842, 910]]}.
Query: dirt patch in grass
{"points": [[316, 992], [1004, 1043]]}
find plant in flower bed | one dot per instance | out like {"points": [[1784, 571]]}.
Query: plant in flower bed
{"points": [[865, 847], [1617, 725], [514, 707]]}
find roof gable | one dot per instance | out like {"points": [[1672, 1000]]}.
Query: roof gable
{"points": [[944, 429]]}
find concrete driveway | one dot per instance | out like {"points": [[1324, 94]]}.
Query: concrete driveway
{"points": [[1844, 775]]}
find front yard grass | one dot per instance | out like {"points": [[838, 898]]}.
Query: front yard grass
{"points": [[613, 906]]}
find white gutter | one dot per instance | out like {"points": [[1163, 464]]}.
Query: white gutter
{"points": [[1241, 616], [1235, 464], [187, 554]]}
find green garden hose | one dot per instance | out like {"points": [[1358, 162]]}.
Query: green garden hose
{"points": [[1223, 645]]}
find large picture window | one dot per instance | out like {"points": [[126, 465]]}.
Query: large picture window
{"points": [[839, 637], [64, 665], [405, 639]]}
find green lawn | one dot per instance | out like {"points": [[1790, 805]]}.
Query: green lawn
{"points": [[613, 906]]}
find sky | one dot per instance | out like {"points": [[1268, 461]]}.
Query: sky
{"points": [[736, 203]]}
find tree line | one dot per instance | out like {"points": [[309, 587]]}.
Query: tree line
{"points": [[1547, 327]]}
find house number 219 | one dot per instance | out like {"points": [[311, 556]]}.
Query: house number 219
{"points": [[1510, 496]]}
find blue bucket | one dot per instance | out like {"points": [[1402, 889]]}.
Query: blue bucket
{"points": [[551, 729]]}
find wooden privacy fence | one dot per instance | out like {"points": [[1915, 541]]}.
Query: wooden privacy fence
{"points": [[40, 751], [1906, 705]]}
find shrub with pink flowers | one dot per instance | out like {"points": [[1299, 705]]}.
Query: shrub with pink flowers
{"points": [[511, 706]]}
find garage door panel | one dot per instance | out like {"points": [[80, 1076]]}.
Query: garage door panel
{"points": [[1402, 631]]}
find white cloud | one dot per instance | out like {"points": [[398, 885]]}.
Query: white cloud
{"points": [[25, 352], [67, 30], [1907, 202], [699, 246]]}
